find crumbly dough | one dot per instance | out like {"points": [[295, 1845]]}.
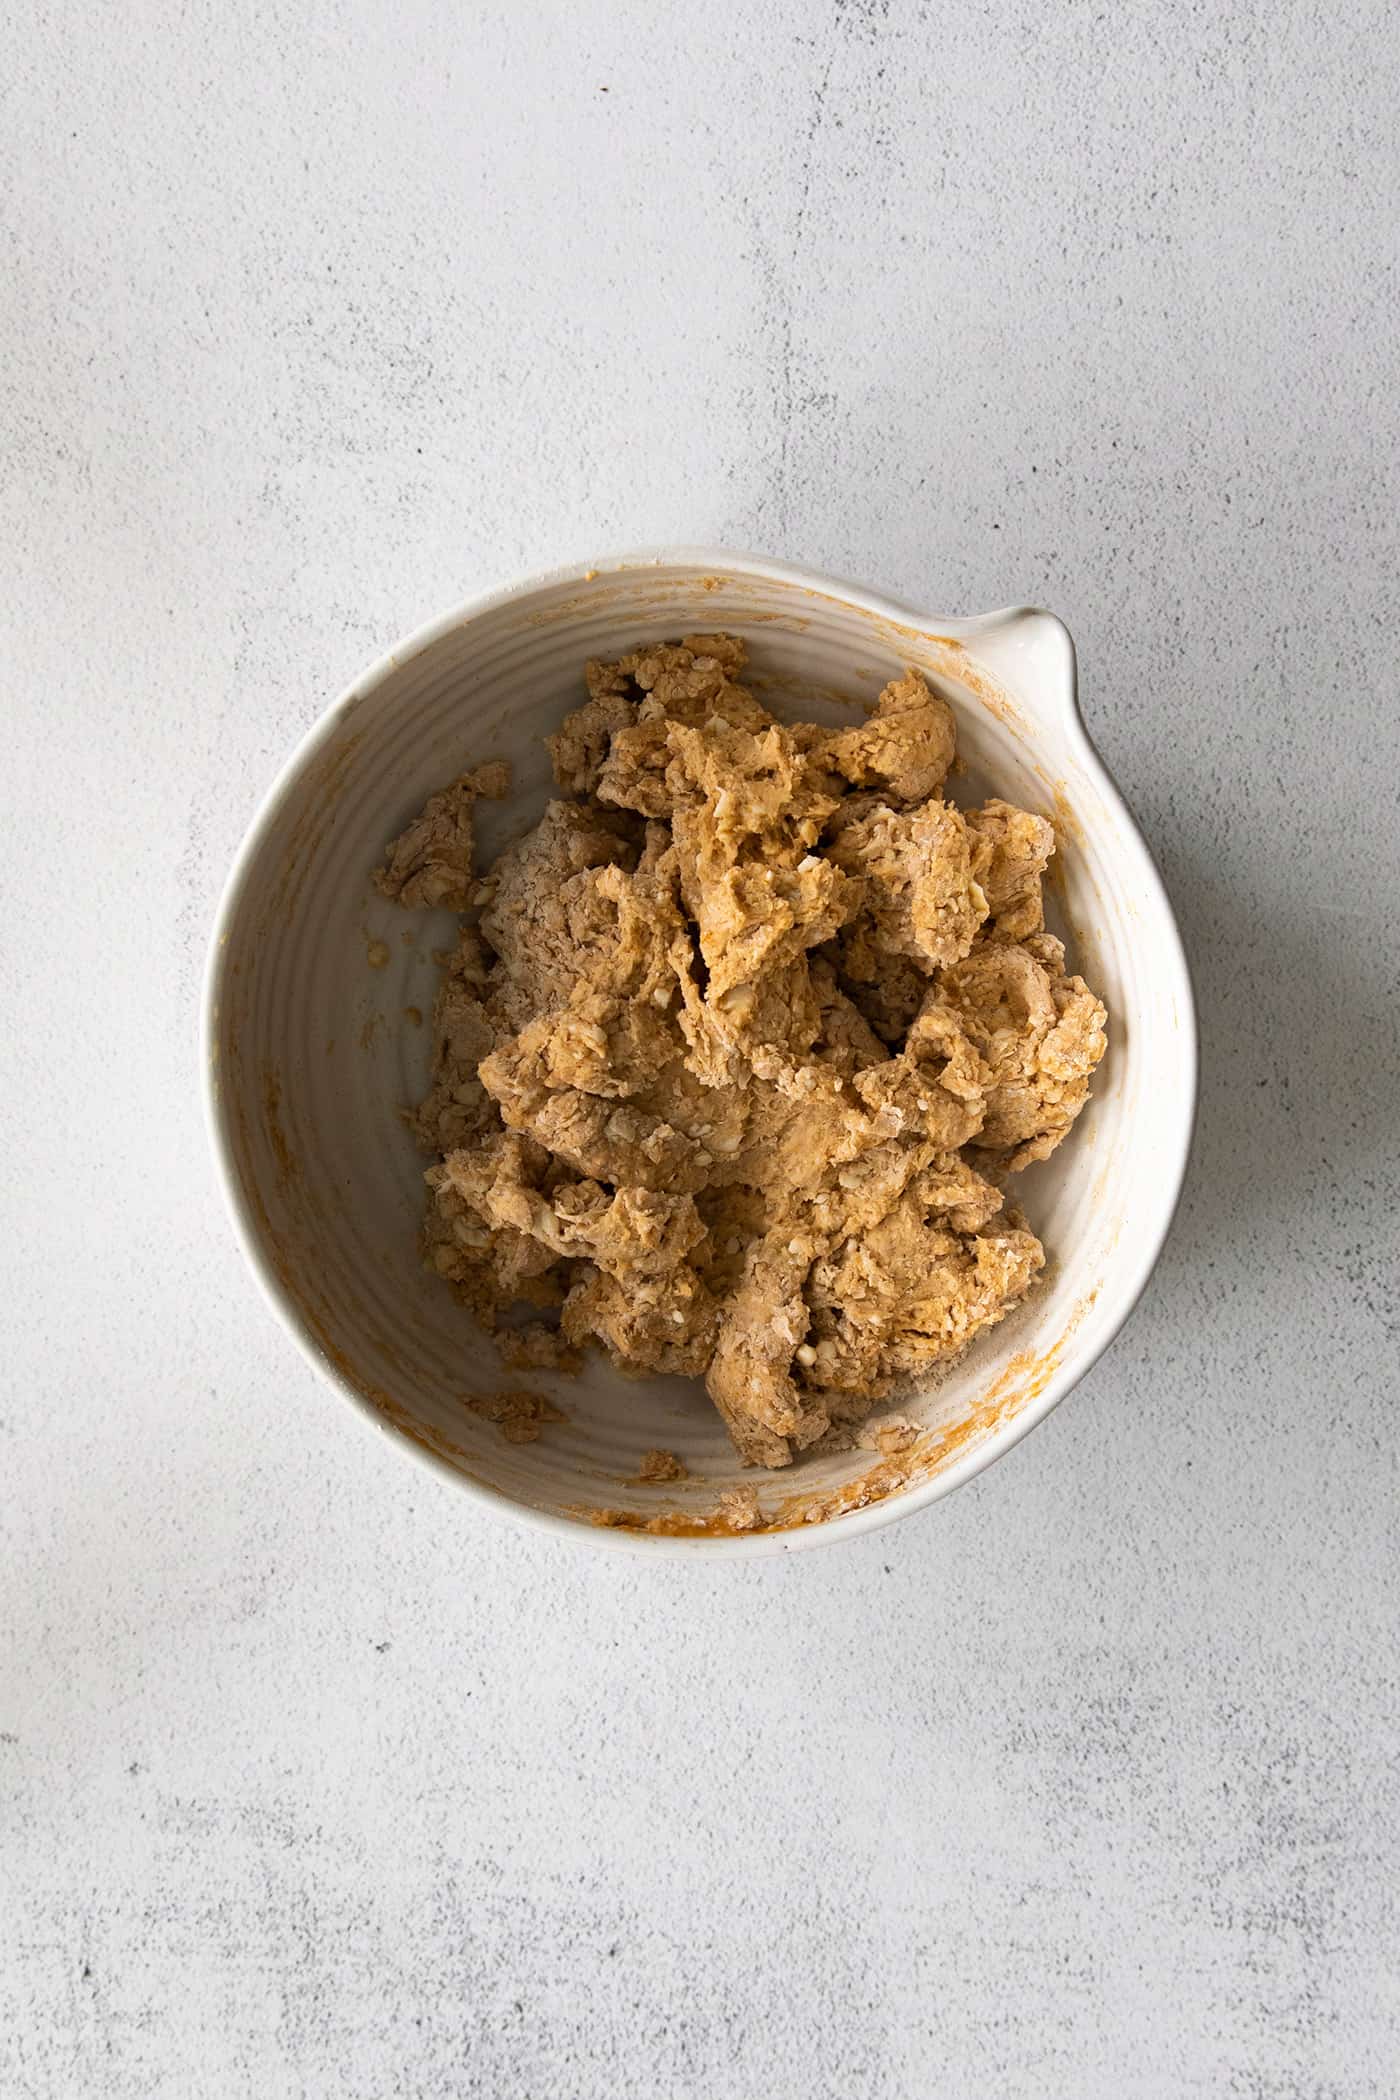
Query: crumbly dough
{"points": [[660, 1466], [739, 1045]]}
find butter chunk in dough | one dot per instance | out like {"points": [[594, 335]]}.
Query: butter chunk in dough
{"points": [[724, 1038]]}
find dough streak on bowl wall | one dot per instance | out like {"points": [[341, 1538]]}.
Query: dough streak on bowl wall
{"points": [[741, 1049]]}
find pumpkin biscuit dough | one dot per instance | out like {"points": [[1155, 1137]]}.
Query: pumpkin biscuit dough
{"points": [[739, 1046]]}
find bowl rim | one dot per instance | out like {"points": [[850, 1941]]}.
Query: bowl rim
{"points": [[1068, 1371]]}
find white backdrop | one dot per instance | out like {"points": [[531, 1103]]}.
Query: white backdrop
{"points": [[316, 317]]}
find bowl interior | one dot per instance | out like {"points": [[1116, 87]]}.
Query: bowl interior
{"points": [[322, 995]]}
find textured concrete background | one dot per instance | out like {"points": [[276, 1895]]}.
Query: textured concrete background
{"points": [[311, 1782]]}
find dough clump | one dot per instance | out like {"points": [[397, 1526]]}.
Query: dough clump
{"points": [[738, 1047]]}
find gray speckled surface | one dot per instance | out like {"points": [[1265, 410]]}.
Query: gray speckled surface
{"points": [[312, 1783]]}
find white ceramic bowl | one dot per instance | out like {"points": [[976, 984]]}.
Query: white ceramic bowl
{"points": [[310, 1047]]}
